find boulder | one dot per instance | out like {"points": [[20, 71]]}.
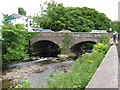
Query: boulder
{"points": [[63, 56]]}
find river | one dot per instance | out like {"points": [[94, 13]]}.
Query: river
{"points": [[36, 71]]}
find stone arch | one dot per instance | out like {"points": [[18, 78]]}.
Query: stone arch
{"points": [[44, 48], [82, 47], [80, 40], [57, 41]]}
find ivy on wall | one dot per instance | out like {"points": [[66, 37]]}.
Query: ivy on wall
{"points": [[67, 37]]}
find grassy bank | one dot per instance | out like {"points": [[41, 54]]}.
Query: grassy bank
{"points": [[81, 72]]}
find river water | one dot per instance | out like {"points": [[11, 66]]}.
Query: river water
{"points": [[36, 71]]}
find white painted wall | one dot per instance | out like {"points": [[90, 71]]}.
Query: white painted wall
{"points": [[23, 20], [1, 18]]}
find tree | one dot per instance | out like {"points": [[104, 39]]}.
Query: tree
{"points": [[58, 17], [15, 42], [5, 16], [21, 11], [115, 26]]}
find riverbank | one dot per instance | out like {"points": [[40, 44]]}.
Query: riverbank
{"points": [[35, 70]]}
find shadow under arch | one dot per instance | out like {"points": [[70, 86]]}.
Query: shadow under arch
{"points": [[82, 47], [44, 48]]}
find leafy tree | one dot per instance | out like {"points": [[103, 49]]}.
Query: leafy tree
{"points": [[57, 17], [15, 43], [105, 39], [118, 29], [21, 11], [115, 26], [5, 16]]}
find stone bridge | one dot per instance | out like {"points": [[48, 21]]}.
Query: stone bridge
{"points": [[52, 40]]}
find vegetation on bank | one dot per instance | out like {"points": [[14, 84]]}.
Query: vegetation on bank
{"points": [[15, 42], [82, 71], [25, 84], [67, 37], [79, 74]]}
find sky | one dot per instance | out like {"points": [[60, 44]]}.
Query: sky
{"points": [[32, 7]]}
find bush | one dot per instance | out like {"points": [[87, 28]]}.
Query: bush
{"points": [[105, 39], [15, 43], [80, 74], [100, 47], [25, 83]]}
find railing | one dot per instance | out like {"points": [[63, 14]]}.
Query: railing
{"points": [[106, 76]]}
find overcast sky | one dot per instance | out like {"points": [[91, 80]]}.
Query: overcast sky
{"points": [[109, 7]]}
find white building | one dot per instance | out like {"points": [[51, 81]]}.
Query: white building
{"points": [[1, 20], [20, 19]]}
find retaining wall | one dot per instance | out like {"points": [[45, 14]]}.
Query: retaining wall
{"points": [[106, 76]]}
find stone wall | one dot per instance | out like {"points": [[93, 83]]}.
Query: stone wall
{"points": [[106, 75], [119, 59], [57, 37]]}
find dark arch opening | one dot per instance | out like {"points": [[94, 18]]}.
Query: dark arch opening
{"points": [[82, 47], [44, 48]]}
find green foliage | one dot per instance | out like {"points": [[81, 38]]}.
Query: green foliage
{"points": [[15, 43], [57, 17], [66, 40], [115, 26], [5, 16], [81, 71], [67, 37], [21, 11], [105, 39], [25, 84], [118, 27], [100, 47], [51, 74]]}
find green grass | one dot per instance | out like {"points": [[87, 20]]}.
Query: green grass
{"points": [[79, 75]]}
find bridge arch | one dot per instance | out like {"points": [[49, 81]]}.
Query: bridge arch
{"points": [[82, 47], [57, 38], [44, 48]]}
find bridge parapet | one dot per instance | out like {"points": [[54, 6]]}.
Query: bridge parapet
{"points": [[74, 34], [57, 37]]}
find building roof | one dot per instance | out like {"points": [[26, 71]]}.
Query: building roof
{"points": [[10, 18], [13, 16], [16, 16]]}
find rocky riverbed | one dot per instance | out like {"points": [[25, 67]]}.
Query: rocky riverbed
{"points": [[36, 71]]}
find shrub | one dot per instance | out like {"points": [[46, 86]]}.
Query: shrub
{"points": [[80, 73], [25, 84], [66, 40], [15, 43], [105, 39], [100, 47]]}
